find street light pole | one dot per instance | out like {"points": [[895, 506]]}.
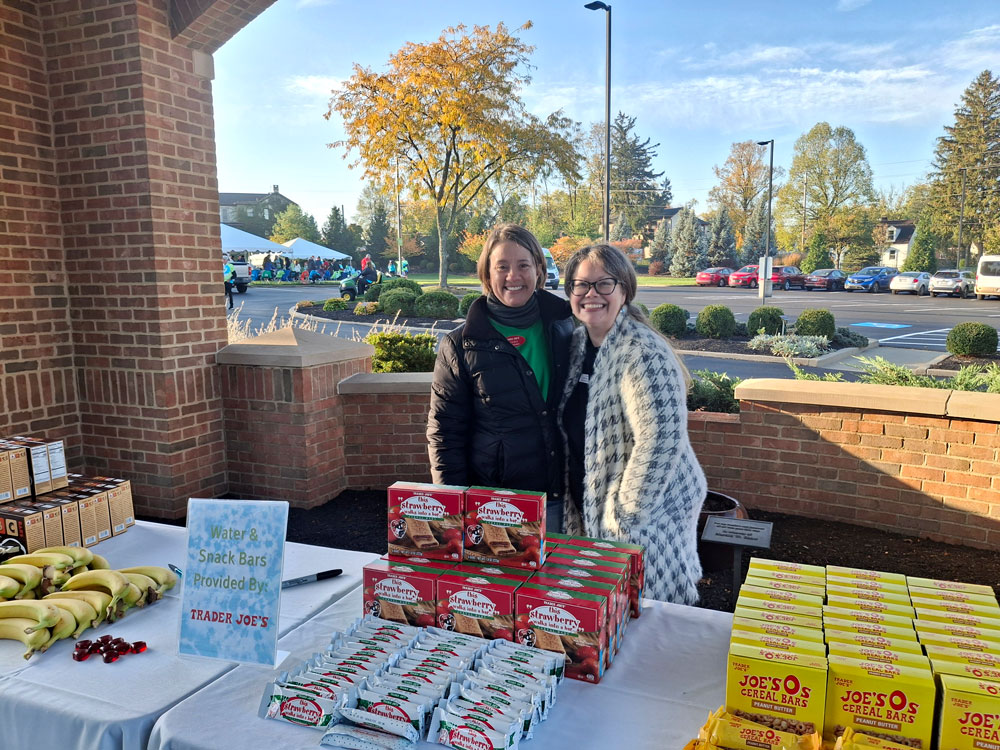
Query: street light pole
{"points": [[961, 221], [770, 186], [399, 225], [607, 117]]}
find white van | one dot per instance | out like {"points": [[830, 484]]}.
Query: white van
{"points": [[551, 270], [988, 277]]}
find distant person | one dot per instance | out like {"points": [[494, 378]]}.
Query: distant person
{"points": [[365, 261], [405, 269], [392, 268], [228, 274]]}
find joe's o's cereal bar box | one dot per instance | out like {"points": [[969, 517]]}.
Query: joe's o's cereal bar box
{"points": [[780, 629], [636, 552], [970, 714], [505, 527], [476, 605], [425, 520], [401, 592], [812, 589], [566, 622], [784, 618], [763, 568], [935, 584]]}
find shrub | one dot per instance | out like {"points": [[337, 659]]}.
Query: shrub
{"points": [[645, 310], [768, 318], [816, 323], [715, 322], [372, 293], [972, 340], [786, 345], [713, 391], [466, 303], [880, 371], [437, 305], [397, 302], [334, 304], [398, 283], [402, 352], [670, 320], [366, 308], [303, 303], [656, 268], [741, 329], [845, 337]]}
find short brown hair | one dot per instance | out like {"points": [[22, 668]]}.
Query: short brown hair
{"points": [[519, 236]]}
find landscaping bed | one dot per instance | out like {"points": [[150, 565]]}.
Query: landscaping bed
{"points": [[956, 363], [734, 345], [348, 316]]}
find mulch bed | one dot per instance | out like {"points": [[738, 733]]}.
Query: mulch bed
{"points": [[348, 316], [734, 345], [957, 363]]}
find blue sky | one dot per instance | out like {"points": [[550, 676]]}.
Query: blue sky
{"points": [[697, 76]]}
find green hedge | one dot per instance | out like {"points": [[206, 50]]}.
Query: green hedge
{"points": [[816, 323], [768, 318], [398, 283], [715, 322], [972, 340], [334, 304], [396, 301], [402, 352], [466, 303], [670, 320], [437, 305]]}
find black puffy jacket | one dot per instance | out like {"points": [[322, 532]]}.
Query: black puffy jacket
{"points": [[488, 423]]}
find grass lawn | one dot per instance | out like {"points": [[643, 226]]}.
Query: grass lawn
{"points": [[471, 280]]}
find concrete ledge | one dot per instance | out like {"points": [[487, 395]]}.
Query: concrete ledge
{"points": [[819, 361], [891, 398], [386, 382], [292, 347], [981, 407]]}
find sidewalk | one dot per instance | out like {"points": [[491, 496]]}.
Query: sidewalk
{"points": [[919, 360]]}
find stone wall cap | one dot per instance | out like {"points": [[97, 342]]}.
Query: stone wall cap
{"points": [[982, 407], [386, 382], [292, 347], [891, 398]]}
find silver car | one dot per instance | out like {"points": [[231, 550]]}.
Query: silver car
{"points": [[953, 282], [915, 282]]}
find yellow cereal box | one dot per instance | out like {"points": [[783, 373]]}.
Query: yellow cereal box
{"points": [[906, 645], [882, 618], [928, 627], [962, 608], [984, 600], [970, 714], [933, 583], [790, 608], [866, 605], [769, 683], [785, 618], [870, 653], [875, 595], [956, 618], [776, 595], [869, 575], [796, 646], [962, 644], [891, 701], [869, 628], [762, 564], [980, 658], [799, 632], [783, 575], [780, 585], [972, 671], [865, 583]]}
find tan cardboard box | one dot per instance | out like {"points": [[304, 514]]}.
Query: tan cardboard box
{"points": [[103, 510], [57, 463], [88, 519], [6, 485], [51, 520], [21, 530], [20, 474], [70, 507], [38, 463]]}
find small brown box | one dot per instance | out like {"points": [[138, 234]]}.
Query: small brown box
{"points": [[6, 485], [88, 519], [21, 530], [20, 474], [103, 510], [38, 455], [120, 503], [51, 520], [70, 507], [57, 464]]}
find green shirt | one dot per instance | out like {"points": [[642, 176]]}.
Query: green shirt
{"points": [[530, 342]]}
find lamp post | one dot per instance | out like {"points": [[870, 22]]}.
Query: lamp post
{"points": [[765, 282], [607, 118]]}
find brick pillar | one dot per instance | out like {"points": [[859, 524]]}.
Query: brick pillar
{"points": [[285, 422]]}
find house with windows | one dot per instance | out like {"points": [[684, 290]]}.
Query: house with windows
{"points": [[252, 212], [898, 241]]}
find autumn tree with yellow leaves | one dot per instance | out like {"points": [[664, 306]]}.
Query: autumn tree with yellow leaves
{"points": [[450, 112]]}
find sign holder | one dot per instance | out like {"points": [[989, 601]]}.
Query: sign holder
{"points": [[737, 533]]}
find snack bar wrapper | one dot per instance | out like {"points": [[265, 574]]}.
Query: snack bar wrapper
{"points": [[451, 730], [729, 731], [360, 738], [851, 740]]}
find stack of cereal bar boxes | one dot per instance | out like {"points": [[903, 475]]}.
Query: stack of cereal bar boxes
{"points": [[864, 658], [479, 561], [43, 505]]}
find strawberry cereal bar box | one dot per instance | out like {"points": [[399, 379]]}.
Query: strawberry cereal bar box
{"points": [[478, 605], [566, 622], [505, 527], [636, 552], [552, 578], [425, 520], [401, 592]]}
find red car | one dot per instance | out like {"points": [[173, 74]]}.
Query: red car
{"points": [[713, 276], [746, 276], [785, 277]]}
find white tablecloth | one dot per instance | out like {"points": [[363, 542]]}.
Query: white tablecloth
{"points": [[667, 677], [52, 701]]}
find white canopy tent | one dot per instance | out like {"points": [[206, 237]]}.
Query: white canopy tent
{"points": [[301, 248], [236, 240]]}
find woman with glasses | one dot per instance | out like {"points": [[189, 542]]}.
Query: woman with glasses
{"points": [[499, 377], [633, 475]]}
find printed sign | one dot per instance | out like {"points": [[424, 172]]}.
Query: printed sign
{"points": [[737, 531], [232, 579]]}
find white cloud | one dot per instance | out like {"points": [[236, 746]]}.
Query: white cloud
{"points": [[977, 50], [314, 86], [849, 5]]}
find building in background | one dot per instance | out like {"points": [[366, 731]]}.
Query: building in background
{"points": [[253, 212]]}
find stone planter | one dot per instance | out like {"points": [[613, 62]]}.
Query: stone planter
{"points": [[715, 557]]}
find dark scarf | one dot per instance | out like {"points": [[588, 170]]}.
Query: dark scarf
{"points": [[515, 317]]}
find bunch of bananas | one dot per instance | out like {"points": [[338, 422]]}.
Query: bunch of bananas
{"points": [[58, 592]]}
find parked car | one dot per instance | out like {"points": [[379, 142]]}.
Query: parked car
{"points": [[713, 276], [830, 279], [915, 282], [551, 270], [746, 276], [240, 264], [871, 279], [951, 281], [988, 277], [785, 277]]}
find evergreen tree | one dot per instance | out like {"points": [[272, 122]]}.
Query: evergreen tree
{"points": [[335, 235], [622, 230], [634, 188], [292, 223], [921, 255], [377, 236], [688, 244], [755, 234], [721, 239], [818, 255], [660, 246]]}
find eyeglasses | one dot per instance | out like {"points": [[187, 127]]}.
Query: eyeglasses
{"points": [[579, 288]]}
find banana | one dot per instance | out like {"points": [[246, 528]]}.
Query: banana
{"points": [[98, 562], [110, 581], [99, 600], [80, 555], [43, 559], [163, 576], [150, 589], [134, 596], [15, 629], [79, 569], [28, 575], [64, 628], [86, 616], [9, 587], [44, 614]]}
